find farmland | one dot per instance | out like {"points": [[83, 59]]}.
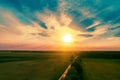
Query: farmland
{"points": [[50, 65], [95, 65], [32, 65]]}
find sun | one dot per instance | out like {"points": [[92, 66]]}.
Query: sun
{"points": [[67, 38]]}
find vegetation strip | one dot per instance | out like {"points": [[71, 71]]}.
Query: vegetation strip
{"points": [[65, 73], [68, 68]]}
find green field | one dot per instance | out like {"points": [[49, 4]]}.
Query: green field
{"points": [[95, 65], [101, 69], [30, 65], [46, 65]]}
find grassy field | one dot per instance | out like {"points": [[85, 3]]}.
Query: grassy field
{"points": [[30, 65], [95, 65], [46, 65], [101, 69]]}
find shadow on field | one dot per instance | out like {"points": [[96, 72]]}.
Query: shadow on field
{"points": [[101, 54], [4, 59], [14, 56], [76, 71]]}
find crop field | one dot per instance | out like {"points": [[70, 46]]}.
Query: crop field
{"points": [[95, 66], [30, 65], [101, 69], [46, 65]]}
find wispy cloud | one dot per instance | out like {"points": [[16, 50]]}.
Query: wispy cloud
{"points": [[40, 24]]}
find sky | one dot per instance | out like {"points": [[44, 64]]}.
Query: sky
{"points": [[40, 24]]}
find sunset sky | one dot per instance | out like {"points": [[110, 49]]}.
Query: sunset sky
{"points": [[41, 24]]}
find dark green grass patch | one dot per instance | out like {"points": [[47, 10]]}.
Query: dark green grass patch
{"points": [[32, 65], [95, 65]]}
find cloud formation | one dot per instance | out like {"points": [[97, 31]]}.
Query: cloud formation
{"points": [[40, 24]]}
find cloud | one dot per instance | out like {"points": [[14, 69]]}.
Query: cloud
{"points": [[42, 23], [15, 31], [86, 35]]}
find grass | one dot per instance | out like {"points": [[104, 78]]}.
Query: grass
{"points": [[30, 65], [75, 72], [48, 65], [101, 69], [95, 65]]}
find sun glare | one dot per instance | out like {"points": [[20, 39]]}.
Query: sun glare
{"points": [[67, 38]]}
